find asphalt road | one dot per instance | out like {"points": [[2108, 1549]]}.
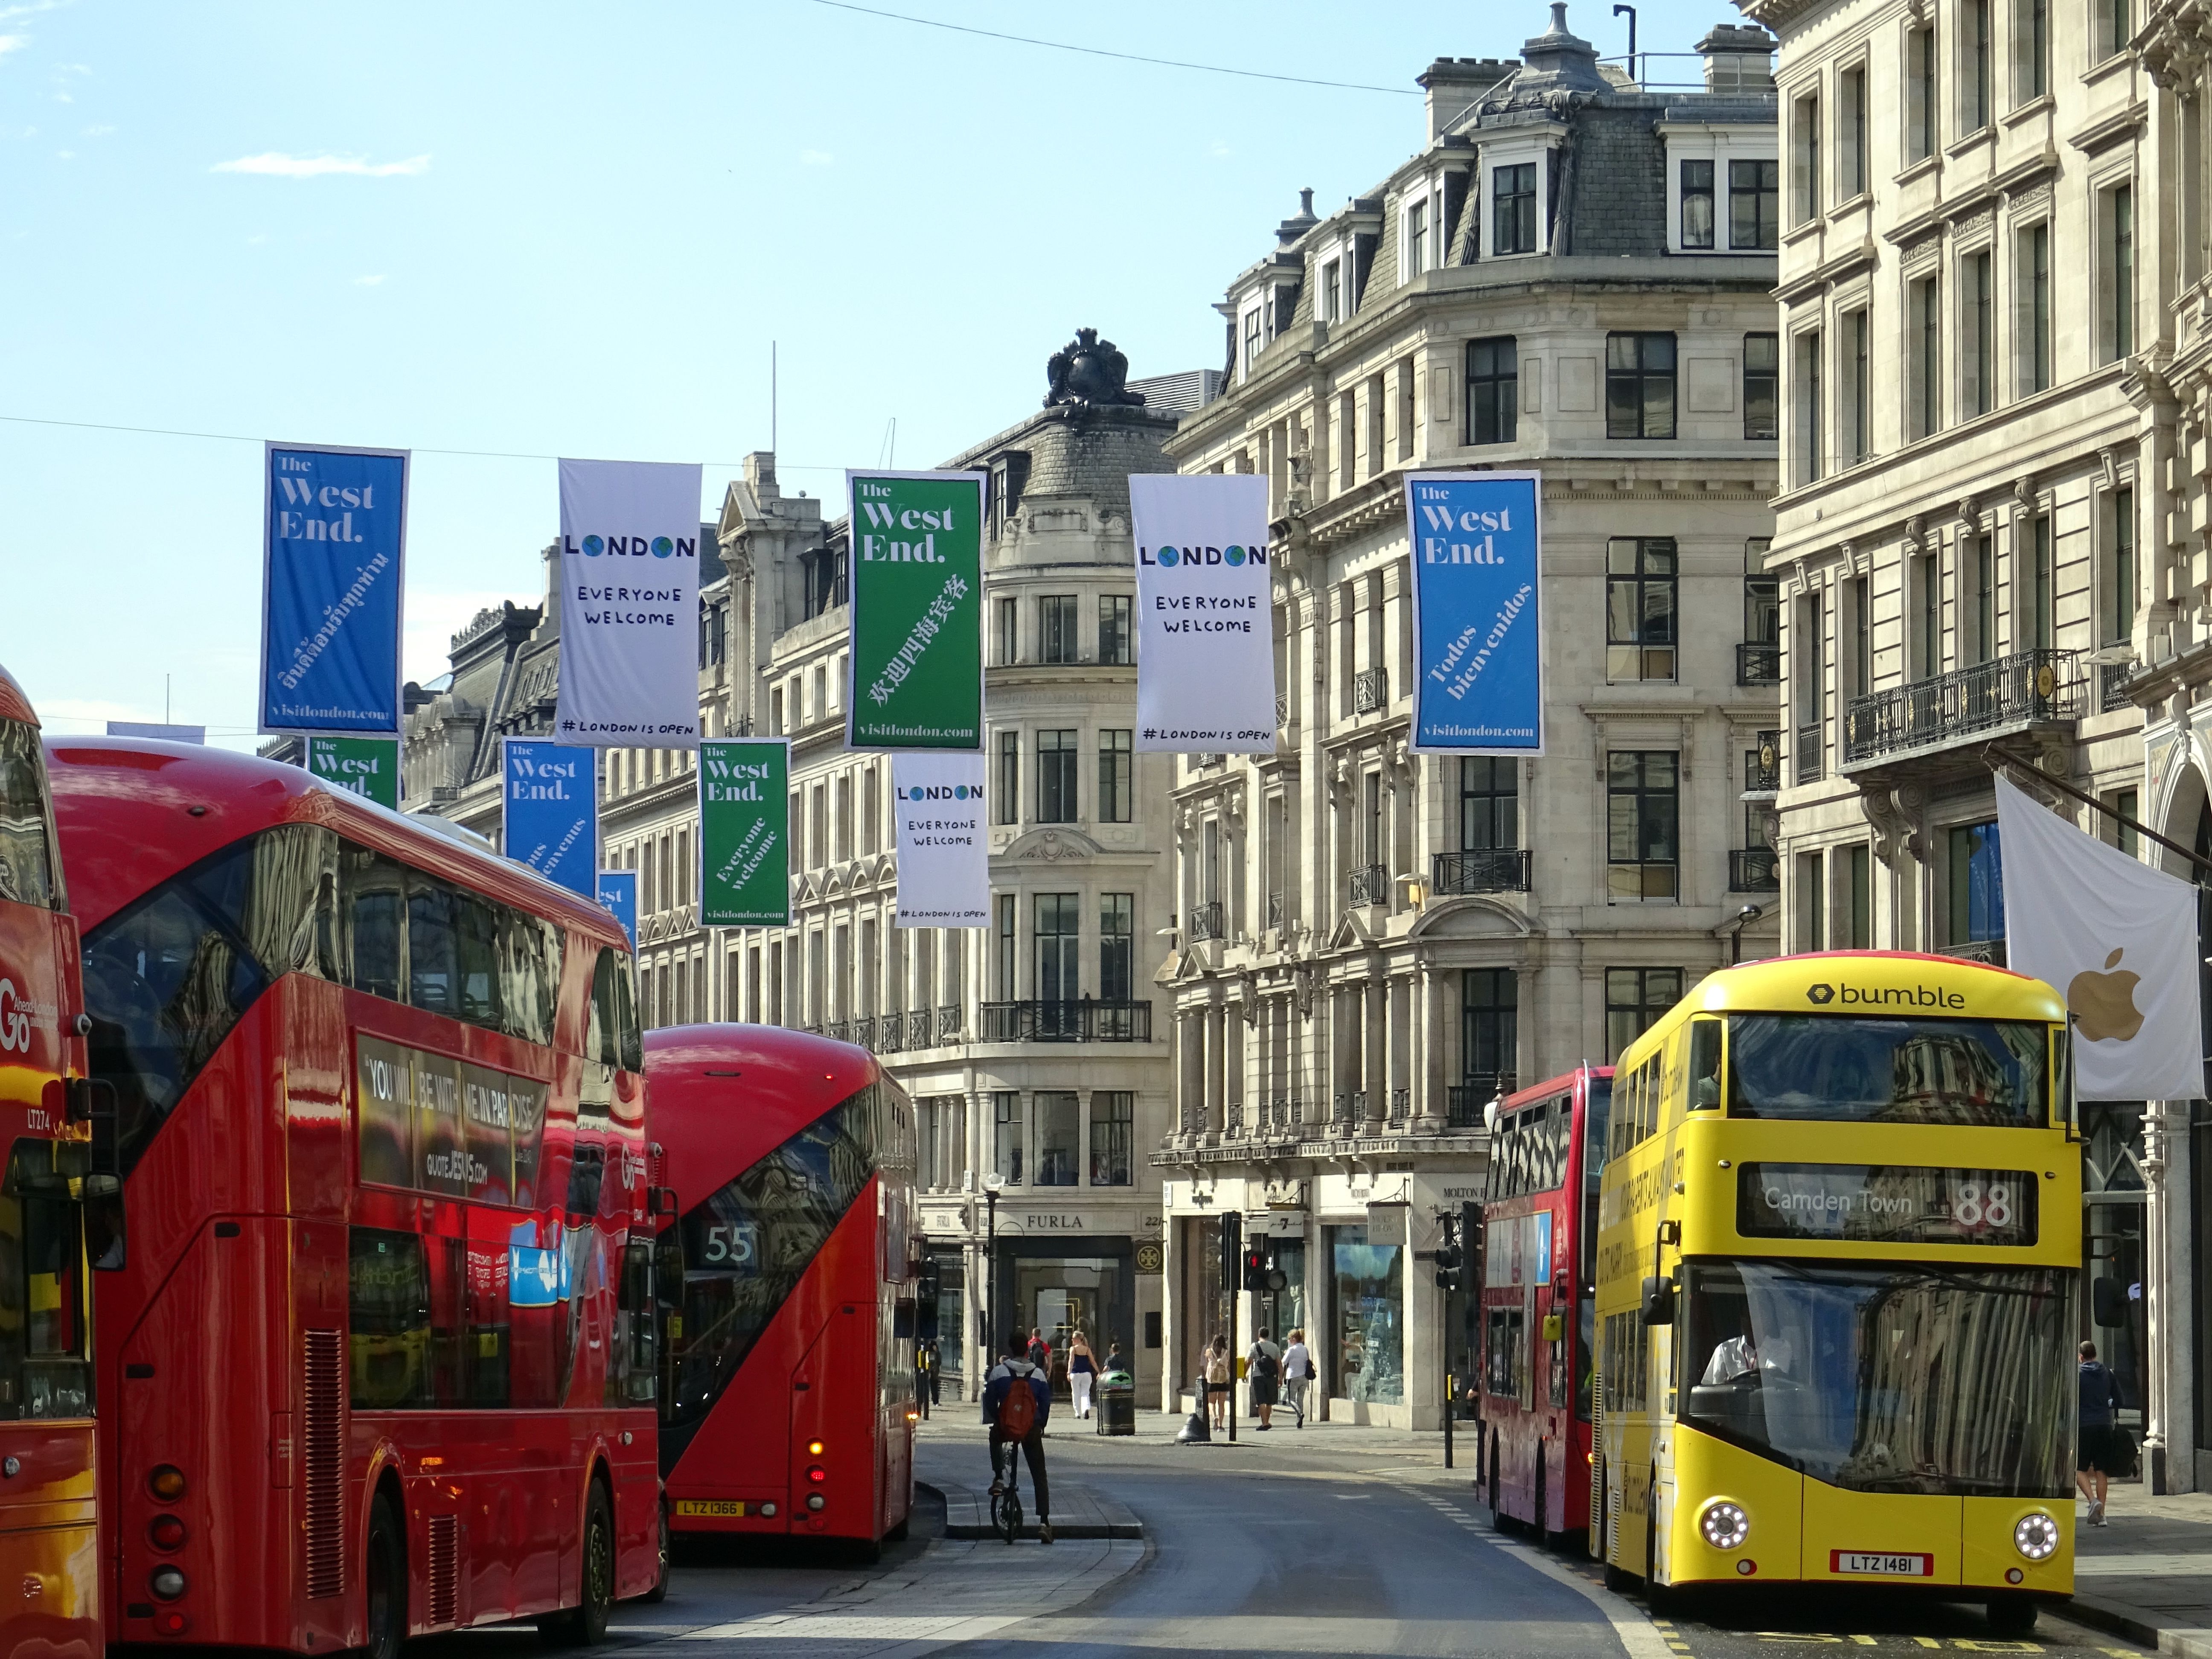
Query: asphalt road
{"points": [[1284, 1544]]}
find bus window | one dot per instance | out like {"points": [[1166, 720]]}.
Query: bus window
{"points": [[370, 899], [1988, 1073], [614, 1039], [44, 1368], [1705, 1064], [1597, 1114], [389, 1308], [27, 860]]}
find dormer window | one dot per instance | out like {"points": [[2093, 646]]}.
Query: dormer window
{"points": [[1417, 238], [1332, 291], [1253, 341], [1513, 209]]}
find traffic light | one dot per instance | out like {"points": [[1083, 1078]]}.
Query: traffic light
{"points": [[1232, 1250], [1255, 1268], [1450, 1258]]}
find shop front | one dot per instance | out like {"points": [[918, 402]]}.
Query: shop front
{"points": [[1058, 1286]]}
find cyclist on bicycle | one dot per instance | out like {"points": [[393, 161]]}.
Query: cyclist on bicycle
{"points": [[1016, 1399]]}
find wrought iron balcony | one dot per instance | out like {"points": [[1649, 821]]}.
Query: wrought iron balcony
{"points": [[1755, 869], [1811, 760], [1282, 709], [1762, 771], [1370, 885], [2027, 687], [1340, 1107], [1991, 950], [1206, 921], [890, 1034], [919, 1028], [1758, 663], [948, 1023], [1235, 1124], [1400, 1101], [1370, 690], [1495, 870], [2112, 679], [1275, 910], [838, 1031], [1463, 1101], [864, 1032], [1083, 1021]]}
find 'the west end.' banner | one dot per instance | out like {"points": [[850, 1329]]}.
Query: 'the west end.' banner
{"points": [[1478, 612], [628, 571], [550, 811], [1206, 635], [917, 611], [333, 555], [744, 832]]}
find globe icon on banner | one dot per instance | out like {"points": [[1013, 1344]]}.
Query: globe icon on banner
{"points": [[662, 547], [593, 547], [1234, 554], [960, 791], [1167, 556]]}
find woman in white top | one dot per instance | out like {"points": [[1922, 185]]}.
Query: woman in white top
{"points": [[1297, 1373]]}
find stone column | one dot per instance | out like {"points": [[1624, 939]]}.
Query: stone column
{"points": [[1432, 1050], [1188, 1089], [2169, 1437], [1375, 1008], [1210, 1027]]}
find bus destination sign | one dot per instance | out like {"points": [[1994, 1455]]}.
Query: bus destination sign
{"points": [[1886, 1204]]}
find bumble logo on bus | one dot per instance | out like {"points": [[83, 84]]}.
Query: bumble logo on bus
{"points": [[1884, 996]]}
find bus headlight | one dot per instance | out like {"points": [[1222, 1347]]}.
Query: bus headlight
{"points": [[167, 1583], [1725, 1525], [2036, 1536]]}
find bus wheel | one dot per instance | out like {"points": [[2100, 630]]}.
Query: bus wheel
{"points": [[581, 1625], [659, 1590], [2011, 1615], [898, 1535], [385, 1581]]}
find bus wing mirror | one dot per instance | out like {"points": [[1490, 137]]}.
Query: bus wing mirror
{"points": [[660, 1201], [2108, 1302], [1658, 1300]]}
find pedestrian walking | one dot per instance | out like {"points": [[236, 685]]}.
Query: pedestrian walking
{"points": [[2103, 1442], [1217, 1382], [1115, 1362], [1081, 1369], [1298, 1374], [1263, 1371], [1040, 1352]]}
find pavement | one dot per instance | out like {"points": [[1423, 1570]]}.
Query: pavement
{"points": [[2146, 1574]]}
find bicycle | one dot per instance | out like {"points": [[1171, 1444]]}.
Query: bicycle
{"points": [[1006, 1503]]}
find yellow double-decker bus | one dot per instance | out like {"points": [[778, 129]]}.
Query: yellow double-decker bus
{"points": [[1838, 1242]]}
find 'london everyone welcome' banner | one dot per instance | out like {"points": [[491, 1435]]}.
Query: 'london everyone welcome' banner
{"points": [[333, 557], [1478, 618], [917, 611], [629, 605], [1205, 637], [943, 849], [550, 811], [744, 832]]}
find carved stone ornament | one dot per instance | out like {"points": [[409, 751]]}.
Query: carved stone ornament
{"points": [[1970, 513], [1916, 531], [1089, 373]]}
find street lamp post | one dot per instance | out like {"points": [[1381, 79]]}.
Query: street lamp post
{"points": [[991, 1185]]}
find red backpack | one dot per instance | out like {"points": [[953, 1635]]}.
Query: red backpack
{"points": [[1018, 1411]]}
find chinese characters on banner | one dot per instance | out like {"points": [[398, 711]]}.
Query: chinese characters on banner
{"points": [[1477, 616], [744, 832], [629, 572], [334, 540], [1205, 637], [916, 567]]}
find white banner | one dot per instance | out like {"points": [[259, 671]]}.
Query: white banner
{"points": [[943, 843], [1206, 636], [2117, 939], [629, 605]]}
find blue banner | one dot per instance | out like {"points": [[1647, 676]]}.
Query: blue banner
{"points": [[618, 892], [1477, 613], [334, 525], [552, 811]]}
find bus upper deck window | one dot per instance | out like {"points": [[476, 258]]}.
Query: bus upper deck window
{"points": [[1705, 1064]]}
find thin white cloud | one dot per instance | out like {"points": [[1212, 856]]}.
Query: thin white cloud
{"points": [[13, 43], [815, 158], [367, 281], [277, 165], [98, 133]]}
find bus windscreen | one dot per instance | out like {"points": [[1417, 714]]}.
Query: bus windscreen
{"points": [[1989, 1073]]}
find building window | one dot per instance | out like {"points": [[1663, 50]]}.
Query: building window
{"points": [[1332, 291], [1059, 1121], [2117, 324], [1056, 628], [1851, 114], [1809, 649], [2115, 27], [1056, 940], [1642, 804], [1974, 77], [1010, 777], [1859, 862], [1113, 1136], [1977, 894], [1929, 632], [1513, 209], [1416, 239], [1985, 598], [1489, 1028], [1920, 93], [1762, 596], [1056, 754], [1009, 978], [2125, 837], [1858, 338], [1117, 939], [1805, 161], [2031, 31], [1494, 390], [1698, 204], [1116, 790], [1812, 872], [1862, 598], [1489, 803], [1923, 345], [1806, 436], [1114, 635], [2039, 577], [1006, 1135], [1979, 336], [1252, 341], [2032, 273], [1635, 997], [1762, 358], [1006, 631], [1639, 608], [1754, 205], [1639, 385], [2120, 590]]}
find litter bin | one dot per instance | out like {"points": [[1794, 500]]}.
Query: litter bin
{"points": [[1117, 1403]]}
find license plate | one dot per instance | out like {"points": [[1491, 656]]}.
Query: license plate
{"points": [[716, 1506], [1875, 1564]]}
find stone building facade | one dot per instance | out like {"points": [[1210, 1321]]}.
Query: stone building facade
{"points": [[1976, 419], [1571, 274]]}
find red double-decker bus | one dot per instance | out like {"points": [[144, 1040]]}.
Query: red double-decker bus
{"points": [[49, 1534], [380, 1358], [1536, 1291], [789, 1405]]}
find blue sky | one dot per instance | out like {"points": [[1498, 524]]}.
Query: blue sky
{"points": [[558, 229]]}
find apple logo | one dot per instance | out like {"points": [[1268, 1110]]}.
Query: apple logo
{"points": [[2105, 1003]]}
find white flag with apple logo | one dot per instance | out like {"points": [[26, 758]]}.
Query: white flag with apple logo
{"points": [[2117, 939]]}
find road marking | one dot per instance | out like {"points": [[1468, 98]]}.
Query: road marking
{"points": [[1633, 1629]]}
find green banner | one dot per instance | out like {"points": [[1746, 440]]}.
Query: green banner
{"points": [[366, 766], [744, 832], [917, 586]]}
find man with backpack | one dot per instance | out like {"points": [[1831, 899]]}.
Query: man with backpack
{"points": [[1016, 1401], [1263, 1371]]}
